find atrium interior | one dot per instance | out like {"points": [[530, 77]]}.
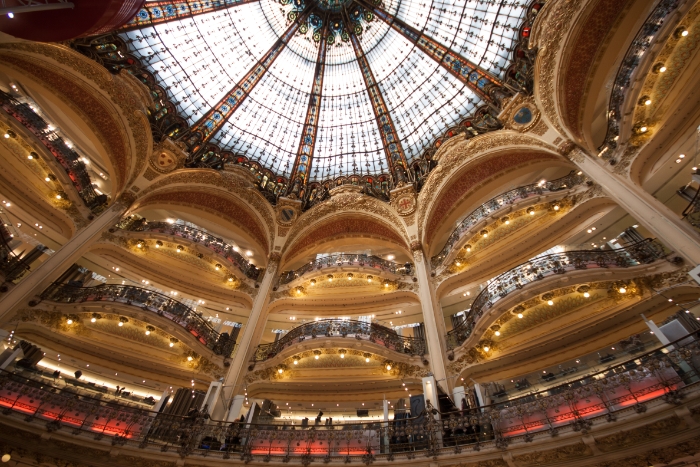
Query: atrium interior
{"points": [[391, 232]]}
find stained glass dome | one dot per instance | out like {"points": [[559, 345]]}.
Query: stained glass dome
{"points": [[317, 89]]}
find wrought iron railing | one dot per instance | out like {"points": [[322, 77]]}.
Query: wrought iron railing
{"points": [[666, 374], [65, 156], [332, 261], [360, 330], [536, 269], [637, 50], [213, 243], [499, 202], [167, 307]]}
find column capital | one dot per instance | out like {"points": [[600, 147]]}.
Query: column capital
{"points": [[417, 250]]}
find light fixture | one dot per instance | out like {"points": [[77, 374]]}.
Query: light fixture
{"points": [[189, 358], [313, 282], [299, 289], [386, 283], [280, 370], [367, 357], [555, 207], [586, 294], [330, 277], [484, 233], [486, 348], [520, 315], [69, 321], [317, 354], [149, 329], [217, 266], [58, 196], [531, 211], [457, 263], [388, 367], [369, 278], [180, 248], [123, 320], [468, 248], [550, 302], [7, 457], [506, 220], [230, 278], [342, 353], [390, 257], [622, 290], [173, 341], [159, 244], [497, 333], [139, 245], [350, 276], [249, 253]]}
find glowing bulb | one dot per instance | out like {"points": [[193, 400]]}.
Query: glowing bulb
{"points": [[69, 321], [189, 358], [47, 179], [550, 302], [556, 207], [148, 333], [7, 457], [121, 324], [662, 69], [388, 367], [486, 348], [497, 333], [586, 294], [30, 157], [280, 371], [623, 290], [58, 196], [295, 362], [316, 357], [520, 315], [367, 359], [643, 129], [342, 355], [172, 345], [93, 320], [684, 33]]}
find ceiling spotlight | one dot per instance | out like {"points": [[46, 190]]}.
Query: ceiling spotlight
{"points": [[350, 276], [369, 278], [622, 290], [189, 358], [390, 257], [531, 211], [497, 333], [313, 282], [468, 248], [217, 266], [388, 367], [486, 348], [520, 315], [69, 321], [7, 457], [180, 248], [484, 233], [330, 277], [556, 207], [550, 302], [280, 370], [586, 294]]}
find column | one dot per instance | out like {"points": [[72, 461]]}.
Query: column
{"points": [[233, 384], [51, 269], [641, 205], [432, 319]]}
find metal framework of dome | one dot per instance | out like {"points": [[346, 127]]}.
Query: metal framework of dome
{"points": [[307, 92]]}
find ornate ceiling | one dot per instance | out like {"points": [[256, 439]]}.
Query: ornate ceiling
{"points": [[318, 89]]}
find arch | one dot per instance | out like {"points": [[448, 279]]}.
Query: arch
{"points": [[107, 109], [213, 202], [466, 180]]}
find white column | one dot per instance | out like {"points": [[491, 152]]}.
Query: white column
{"points": [[48, 271], [249, 338], [458, 394], [433, 321], [657, 332], [647, 210], [212, 396], [9, 356], [385, 406], [236, 406]]}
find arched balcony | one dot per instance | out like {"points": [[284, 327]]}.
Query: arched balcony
{"points": [[162, 305], [537, 269], [360, 330], [511, 197], [215, 244]]}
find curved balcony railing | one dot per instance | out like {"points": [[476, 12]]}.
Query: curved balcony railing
{"points": [[637, 50], [494, 204], [643, 252], [215, 244], [666, 374], [65, 156], [333, 261], [359, 330], [177, 312]]}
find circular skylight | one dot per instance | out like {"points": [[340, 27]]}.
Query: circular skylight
{"points": [[300, 85]]}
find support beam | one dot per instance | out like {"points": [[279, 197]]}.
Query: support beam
{"points": [[307, 144], [207, 126], [165, 11], [392, 146], [485, 85]]}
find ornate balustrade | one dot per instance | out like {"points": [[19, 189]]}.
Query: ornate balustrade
{"points": [[213, 243], [333, 261], [65, 156], [665, 375], [637, 50], [359, 330], [494, 204], [164, 306], [498, 288]]}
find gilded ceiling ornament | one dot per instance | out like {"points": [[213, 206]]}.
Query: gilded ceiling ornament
{"points": [[404, 200], [167, 157], [520, 113], [287, 210]]}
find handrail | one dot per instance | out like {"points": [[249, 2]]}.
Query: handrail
{"points": [[332, 261], [359, 330], [494, 204], [65, 156], [666, 373], [213, 243], [167, 307], [536, 269]]}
